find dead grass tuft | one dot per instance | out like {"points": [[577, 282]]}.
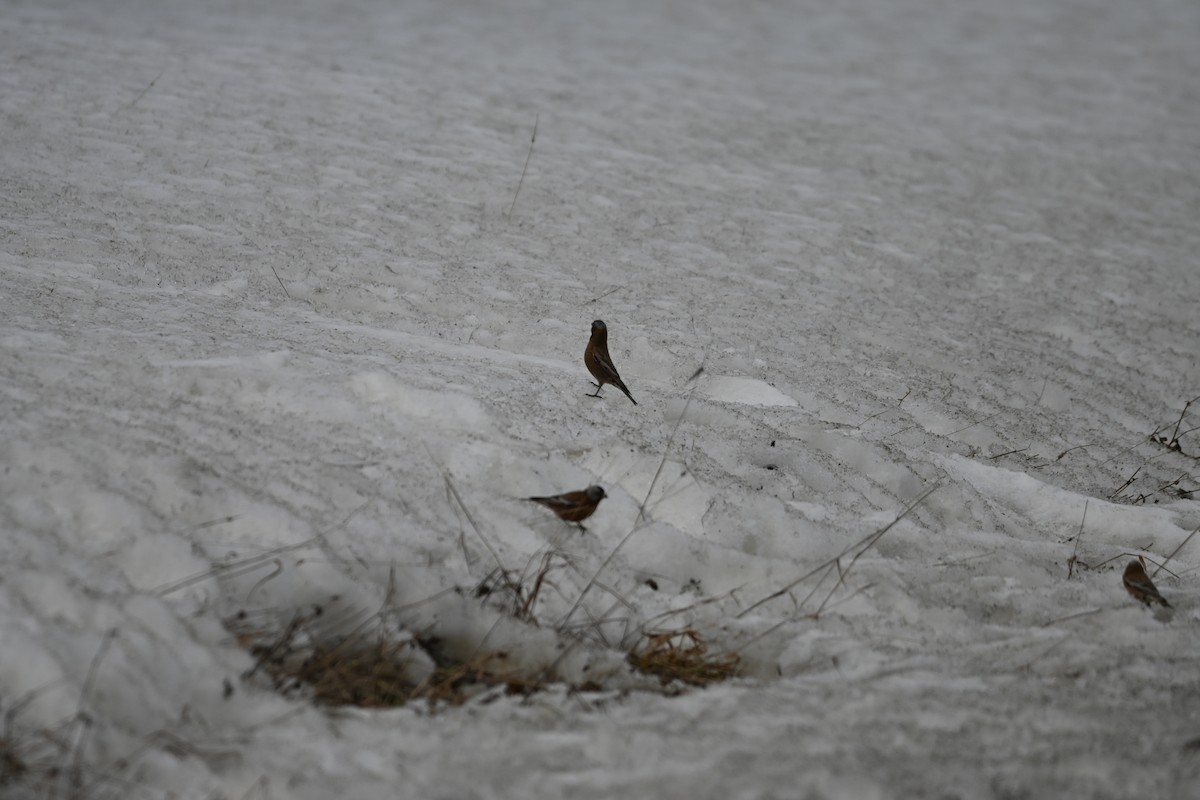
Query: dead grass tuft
{"points": [[509, 592], [683, 656], [362, 668], [36, 760], [12, 766], [368, 675], [454, 685], [368, 669]]}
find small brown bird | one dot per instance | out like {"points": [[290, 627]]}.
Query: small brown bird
{"points": [[1138, 584], [599, 362], [573, 506]]}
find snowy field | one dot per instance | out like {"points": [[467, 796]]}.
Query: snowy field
{"points": [[262, 297]]}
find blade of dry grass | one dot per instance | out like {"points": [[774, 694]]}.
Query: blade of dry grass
{"points": [[1176, 550], [642, 508], [862, 546], [1078, 535], [529, 155]]}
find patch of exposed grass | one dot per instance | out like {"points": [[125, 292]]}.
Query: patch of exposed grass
{"points": [[453, 685], [682, 656], [12, 765], [368, 669]]}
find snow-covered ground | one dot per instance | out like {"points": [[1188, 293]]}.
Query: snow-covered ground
{"points": [[261, 293]]}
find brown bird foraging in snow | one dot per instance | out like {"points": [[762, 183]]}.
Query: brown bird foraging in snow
{"points": [[599, 362], [573, 506], [1138, 584]]}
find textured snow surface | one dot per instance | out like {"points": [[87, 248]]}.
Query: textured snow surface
{"points": [[260, 289]]}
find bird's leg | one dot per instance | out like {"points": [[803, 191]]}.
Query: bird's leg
{"points": [[598, 387]]}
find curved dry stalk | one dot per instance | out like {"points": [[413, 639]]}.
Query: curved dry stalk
{"points": [[642, 508], [866, 543], [1163, 565]]}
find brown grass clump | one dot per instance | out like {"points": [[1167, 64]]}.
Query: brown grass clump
{"points": [[362, 668], [682, 656], [30, 758], [352, 673], [454, 685], [366, 668], [12, 766]]}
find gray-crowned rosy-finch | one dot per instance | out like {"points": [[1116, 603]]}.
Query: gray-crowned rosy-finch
{"points": [[599, 362], [1138, 584], [573, 506]]}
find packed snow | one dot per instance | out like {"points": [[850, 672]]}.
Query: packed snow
{"points": [[278, 333]]}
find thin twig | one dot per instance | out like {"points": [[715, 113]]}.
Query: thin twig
{"points": [[606, 294], [1174, 442], [1125, 485], [90, 681], [1138, 556], [1176, 550], [657, 621], [278, 569], [210, 523], [1045, 381], [757, 637], [1071, 561], [451, 491], [281, 286], [666, 450], [1072, 616], [33, 694], [1069, 449], [868, 541], [871, 543], [75, 773], [528, 156], [251, 563], [956, 562], [143, 92], [1141, 441], [642, 509], [973, 424], [232, 569]]}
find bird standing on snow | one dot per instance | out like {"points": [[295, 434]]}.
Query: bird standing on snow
{"points": [[573, 506], [1138, 584], [599, 362]]}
